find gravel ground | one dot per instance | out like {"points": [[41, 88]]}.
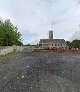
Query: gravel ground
{"points": [[40, 72]]}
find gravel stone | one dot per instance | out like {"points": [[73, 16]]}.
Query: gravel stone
{"points": [[40, 72]]}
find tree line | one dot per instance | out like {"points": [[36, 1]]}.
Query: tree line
{"points": [[73, 44], [9, 34]]}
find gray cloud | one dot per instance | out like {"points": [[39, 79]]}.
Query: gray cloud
{"points": [[35, 18]]}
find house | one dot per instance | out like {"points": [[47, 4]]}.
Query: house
{"points": [[52, 43]]}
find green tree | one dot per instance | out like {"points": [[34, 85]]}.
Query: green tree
{"points": [[75, 44], [68, 44], [9, 34]]}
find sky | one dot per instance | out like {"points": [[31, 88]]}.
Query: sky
{"points": [[34, 18]]}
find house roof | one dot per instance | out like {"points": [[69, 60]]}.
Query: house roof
{"points": [[53, 40]]}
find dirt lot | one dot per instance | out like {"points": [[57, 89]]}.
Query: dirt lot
{"points": [[40, 72]]}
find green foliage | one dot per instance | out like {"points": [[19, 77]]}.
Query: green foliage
{"points": [[75, 44], [8, 34], [68, 44]]}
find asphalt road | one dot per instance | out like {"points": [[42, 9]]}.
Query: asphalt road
{"points": [[40, 72]]}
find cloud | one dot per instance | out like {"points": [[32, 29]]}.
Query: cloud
{"points": [[35, 18]]}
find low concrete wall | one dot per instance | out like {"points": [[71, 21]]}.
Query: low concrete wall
{"points": [[9, 49], [4, 50], [18, 48], [27, 48]]}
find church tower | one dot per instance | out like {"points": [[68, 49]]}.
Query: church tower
{"points": [[51, 35]]}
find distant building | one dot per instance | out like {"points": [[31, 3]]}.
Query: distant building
{"points": [[52, 43]]}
